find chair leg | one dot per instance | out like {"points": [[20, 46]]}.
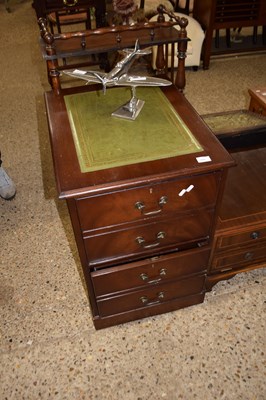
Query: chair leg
{"points": [[88, 20], [255, 35], [51, 26], [217, 38], [228, 38], [7, 6], [58, 23]]}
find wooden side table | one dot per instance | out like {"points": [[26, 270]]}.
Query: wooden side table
{"points": [[258, 100]]}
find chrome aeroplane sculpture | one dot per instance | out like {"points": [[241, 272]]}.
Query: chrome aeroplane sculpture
{"points": [[119, 76]]}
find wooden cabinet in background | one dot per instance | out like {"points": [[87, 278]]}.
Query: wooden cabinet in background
{"points": [[258, 100], [225, 14], [240, 237]]}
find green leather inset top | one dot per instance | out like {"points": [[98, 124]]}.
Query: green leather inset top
{"points": [[103, 141]]}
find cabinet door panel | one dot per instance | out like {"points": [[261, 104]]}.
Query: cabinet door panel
{"points": [[152, 271], [148, 239], [158, 200]]}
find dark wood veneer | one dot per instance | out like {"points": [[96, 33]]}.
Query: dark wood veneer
{"points": [[70, 180], [240, 237], [177, 239], [149, 272]]}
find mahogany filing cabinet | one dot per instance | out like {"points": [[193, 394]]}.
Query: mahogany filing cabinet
{"points": [[143, 229]]}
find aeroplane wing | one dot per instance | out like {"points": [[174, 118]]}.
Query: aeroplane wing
{"points": [[131, 80], [143, 52], [89, 76]]}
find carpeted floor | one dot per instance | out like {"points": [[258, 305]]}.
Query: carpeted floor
{"points": [[49, 347]]}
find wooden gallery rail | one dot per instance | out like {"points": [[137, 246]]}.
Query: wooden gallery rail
{"points": [[71, 45]]}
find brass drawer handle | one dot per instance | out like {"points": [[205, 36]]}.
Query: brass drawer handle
{"points": [[139, 205], [68, 4], [140, 240], [145, 277], [145, 300]]}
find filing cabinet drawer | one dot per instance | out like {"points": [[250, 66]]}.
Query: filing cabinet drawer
{"points": [[232, 260], [148, 238], [151, 296], [150, 201], [152, 271], [248, 237]]}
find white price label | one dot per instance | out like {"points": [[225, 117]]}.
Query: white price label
{"points": [[203, 159]]}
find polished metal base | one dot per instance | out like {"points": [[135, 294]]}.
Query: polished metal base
{"points": [[129, 110]]}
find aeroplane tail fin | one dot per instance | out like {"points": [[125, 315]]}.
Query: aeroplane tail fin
{"points": [[137, 45], [137, 50]]}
